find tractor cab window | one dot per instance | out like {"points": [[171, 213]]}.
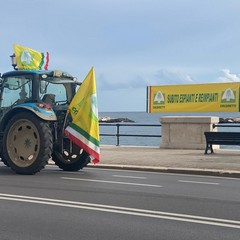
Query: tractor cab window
{"points": [[16, 90], [53, 93]]}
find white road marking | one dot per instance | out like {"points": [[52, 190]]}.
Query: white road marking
{"points": [[124, 210], [123, 176], [207, 183], [112, 182], [162, 173]]}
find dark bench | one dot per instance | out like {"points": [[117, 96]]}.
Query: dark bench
{"points": [[221, 138]]}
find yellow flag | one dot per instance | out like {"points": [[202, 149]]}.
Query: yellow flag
{"points": [[30, 59], [84, 128]]}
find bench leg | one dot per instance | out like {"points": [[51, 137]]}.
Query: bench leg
{"points": [[208, 147], [211, 148]]}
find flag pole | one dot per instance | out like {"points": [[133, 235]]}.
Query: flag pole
{"points": [[64, 124]]}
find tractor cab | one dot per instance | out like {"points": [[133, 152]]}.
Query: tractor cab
{"points": [[36, 86]]}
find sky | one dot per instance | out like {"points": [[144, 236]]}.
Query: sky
{"points": [[131, 44]]}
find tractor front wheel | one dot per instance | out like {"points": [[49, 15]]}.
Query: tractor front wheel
{"points": [[70, 161]]}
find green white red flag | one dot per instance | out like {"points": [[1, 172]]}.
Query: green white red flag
{"points": [[84, 128], [30, 59]]}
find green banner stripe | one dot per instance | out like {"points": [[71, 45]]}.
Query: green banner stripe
{"points": [[42, 61], [85, 134], [239, 98]]}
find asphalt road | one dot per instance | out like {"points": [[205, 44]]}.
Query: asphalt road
{"points": [[117, 204]]}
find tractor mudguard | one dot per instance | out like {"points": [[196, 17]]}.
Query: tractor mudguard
{"points": [[41, 110]]}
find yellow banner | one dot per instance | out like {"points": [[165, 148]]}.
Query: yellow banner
{"points": [[214, 97], [30, 59]]}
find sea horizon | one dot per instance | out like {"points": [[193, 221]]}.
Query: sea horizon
{"points": [[142, 116]]}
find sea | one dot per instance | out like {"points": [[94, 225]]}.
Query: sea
{"points": [[148, 119]]}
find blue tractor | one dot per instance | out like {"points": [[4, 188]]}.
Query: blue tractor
{"points": [[33, 116]]}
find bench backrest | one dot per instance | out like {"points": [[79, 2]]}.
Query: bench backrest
{"points": [[234, 136]]}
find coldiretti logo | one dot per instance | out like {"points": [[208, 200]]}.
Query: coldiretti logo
{"points": [[228, 96], [159, 98]]}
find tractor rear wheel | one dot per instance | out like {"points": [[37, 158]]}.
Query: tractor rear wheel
{"points": [[27, 143]]}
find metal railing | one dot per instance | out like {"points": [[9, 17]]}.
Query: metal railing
{"points": [[118, 134]]}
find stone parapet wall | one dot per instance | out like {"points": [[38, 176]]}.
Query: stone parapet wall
{"points": [[186, 132]]}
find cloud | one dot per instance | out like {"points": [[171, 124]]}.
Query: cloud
{"points": [[228, 76], [134, 82], [160, 77], [171, 76]]}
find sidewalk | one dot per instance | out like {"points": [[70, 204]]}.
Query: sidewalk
{"points": [[221, 163]]}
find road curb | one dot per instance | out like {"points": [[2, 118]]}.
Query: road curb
{"points": [[193, 171]]}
